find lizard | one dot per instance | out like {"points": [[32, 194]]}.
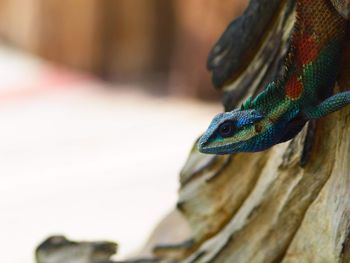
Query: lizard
{"points": [[303, 93]]}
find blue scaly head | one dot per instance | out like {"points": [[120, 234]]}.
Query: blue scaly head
{"points": [[246, 130], [234, 131]]}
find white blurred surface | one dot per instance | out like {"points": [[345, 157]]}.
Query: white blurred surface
{"points": [[87, 162]]}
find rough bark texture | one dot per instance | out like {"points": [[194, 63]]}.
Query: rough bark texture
{"points": [[343, 7], [288, 204]]}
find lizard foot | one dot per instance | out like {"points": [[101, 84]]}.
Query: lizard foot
{"points": [[332, 104]]}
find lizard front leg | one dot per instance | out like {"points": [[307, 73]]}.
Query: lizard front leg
{"points": [[328, 106], [343, 7]]}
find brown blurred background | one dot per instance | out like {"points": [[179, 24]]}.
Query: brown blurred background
{"points": [[161, 43]]}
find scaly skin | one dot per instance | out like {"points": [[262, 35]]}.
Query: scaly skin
{"points": [[304, 92]]}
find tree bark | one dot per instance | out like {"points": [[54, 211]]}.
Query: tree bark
{"points": [[288, 204]]}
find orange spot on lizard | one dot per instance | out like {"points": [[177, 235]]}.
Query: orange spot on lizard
{"points": [[294, 88]]}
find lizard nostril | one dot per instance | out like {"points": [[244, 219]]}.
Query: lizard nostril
{"points": [[201, 143]]}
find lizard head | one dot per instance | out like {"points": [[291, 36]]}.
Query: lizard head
{"points": [[230, 132]]}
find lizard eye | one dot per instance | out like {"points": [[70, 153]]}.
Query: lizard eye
{"points": [[227, 129]]}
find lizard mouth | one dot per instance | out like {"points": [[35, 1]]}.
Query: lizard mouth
{"points": [[203, 147]]}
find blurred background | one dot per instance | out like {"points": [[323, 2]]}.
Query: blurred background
{"points": [[101, 101]]}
